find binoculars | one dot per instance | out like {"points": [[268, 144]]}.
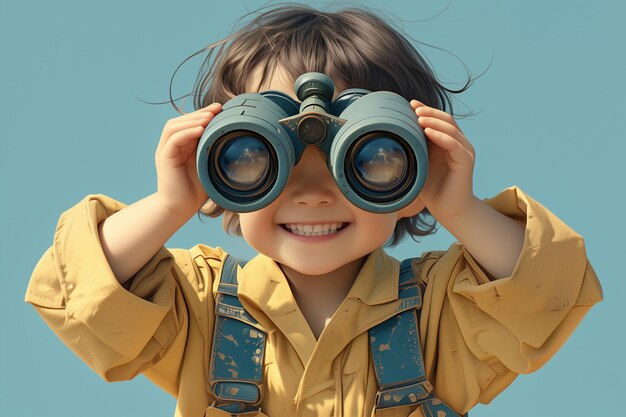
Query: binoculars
{"points": [[374, 148]]}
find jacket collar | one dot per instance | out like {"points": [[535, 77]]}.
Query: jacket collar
{"points": [[377, 282], [263, 282], [265, 293]]}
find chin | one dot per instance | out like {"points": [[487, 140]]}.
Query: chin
{"points": [[312, 266], [312, 270]]}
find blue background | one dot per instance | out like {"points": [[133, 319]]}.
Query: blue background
{"points": [[549, 111]]}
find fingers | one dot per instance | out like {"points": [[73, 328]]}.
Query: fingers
{"points": [[196, 119], [181, 143], [423, 110], [439, 120], [443, 131], [214, 107], [198, 115], [178, 125], [442, 126], [457, 153]]}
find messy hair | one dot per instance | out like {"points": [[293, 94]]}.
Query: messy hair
{"points": [[353, 46]]}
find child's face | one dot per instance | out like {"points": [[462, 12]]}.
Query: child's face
{"points": [[311, 201]]}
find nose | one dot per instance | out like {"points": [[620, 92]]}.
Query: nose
{"points": [[310, 183]]}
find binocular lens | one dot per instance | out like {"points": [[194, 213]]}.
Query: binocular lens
{"points": [[378, 167], [243, 162]]}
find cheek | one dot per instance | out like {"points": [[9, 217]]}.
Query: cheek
{"points": [[256, 228], [375, 229]]}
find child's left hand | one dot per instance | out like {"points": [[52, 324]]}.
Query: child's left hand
{"points": [[448, 190]]}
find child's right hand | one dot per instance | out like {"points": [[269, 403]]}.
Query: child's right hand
{"points": [[178, 186]]}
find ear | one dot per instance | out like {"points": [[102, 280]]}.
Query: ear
{"points": [[411, 210]]}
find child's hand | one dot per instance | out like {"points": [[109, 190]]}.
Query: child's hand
{"points": [[178, 185], [448, 190]]}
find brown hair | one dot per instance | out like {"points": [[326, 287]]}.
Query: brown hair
{"points": [[356, 48]]}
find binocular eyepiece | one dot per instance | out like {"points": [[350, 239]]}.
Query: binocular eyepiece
{"points": [[374, 148]]}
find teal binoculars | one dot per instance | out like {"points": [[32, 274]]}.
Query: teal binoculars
{"points": [[373, 146]]}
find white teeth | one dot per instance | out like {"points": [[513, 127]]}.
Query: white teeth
{"points": [[314, 230]]}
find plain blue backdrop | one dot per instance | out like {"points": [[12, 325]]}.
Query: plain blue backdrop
{"points": [[549, 111]]}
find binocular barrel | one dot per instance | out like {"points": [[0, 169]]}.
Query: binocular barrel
{"points": [[375, 149]]}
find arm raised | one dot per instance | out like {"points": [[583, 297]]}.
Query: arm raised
{"points": [[133, 235]]}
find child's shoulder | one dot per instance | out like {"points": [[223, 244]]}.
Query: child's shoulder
{"points": [[208, 253], [423, 264], [200, 260]]}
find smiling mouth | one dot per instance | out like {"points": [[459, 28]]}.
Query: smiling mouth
{"points": [[314, 229]]}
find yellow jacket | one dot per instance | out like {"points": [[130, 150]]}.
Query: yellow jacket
{"points": [[477, 335]]}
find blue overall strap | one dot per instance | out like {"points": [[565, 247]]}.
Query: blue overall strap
{"points": [[236, 363], [397, 355]]}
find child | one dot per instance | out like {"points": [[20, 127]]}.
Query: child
{"points": [[499, 303]]}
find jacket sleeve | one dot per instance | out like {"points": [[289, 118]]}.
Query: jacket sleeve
{"points": [[119, 331], [480, 334]]}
